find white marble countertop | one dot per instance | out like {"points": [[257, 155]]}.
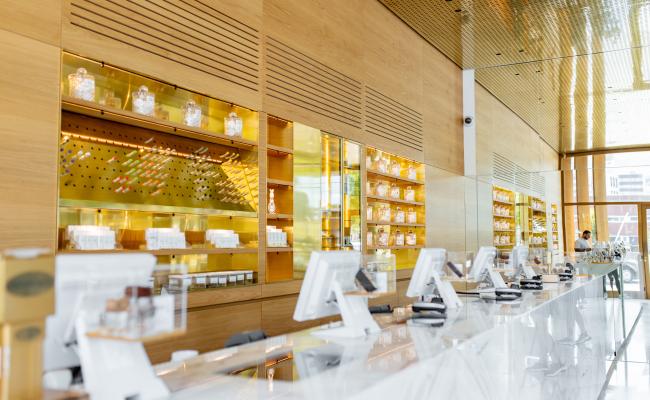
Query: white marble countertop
{"points": [[484, 350]]}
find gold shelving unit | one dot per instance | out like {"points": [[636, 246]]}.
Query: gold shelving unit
{"points": [[279, 173], [390, 180], [537, 228], [126, 168], [555, 233], [503, 218]]}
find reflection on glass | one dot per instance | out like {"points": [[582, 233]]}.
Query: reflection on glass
{"points": [[351, 196], [331, 192]]}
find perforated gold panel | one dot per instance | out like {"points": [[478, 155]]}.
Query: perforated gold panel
{"points": [[111, 165], [577, 72]]}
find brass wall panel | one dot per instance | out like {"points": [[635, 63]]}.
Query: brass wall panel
{"points": [[112, 165], [295, 78], [192, 33]]}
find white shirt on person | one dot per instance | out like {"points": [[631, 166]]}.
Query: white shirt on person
{"points": [[582, 244]]}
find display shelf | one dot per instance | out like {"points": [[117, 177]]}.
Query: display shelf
{"points": [[383, 173], [278, 182], [168, 252], [395, 178], [503, 226], [394, 201], [169, 169], [95, 110], [279, 216], [279, 249], [278, 151], [279, 179], [419, 246], [394, 224]]}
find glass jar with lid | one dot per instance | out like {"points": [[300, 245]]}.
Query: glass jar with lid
{"points": [[144, 102], [412, 173], [369, 213], [233, 125], [409, 194], [382, 189], [382, 238], [399, 238], [395, 168], [412, 216], [370, 239], [394, 191], [110, 100], [384, 213], [411, 239], [192, 114], [81, 85], [399, 215]]}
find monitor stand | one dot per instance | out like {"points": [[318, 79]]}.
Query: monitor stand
{"points": [[116, 368], [446, 291], [357, 320]]}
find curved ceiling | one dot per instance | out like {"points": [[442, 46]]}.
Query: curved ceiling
{"points": [[578, 72]]}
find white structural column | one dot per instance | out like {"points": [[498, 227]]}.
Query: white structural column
{"points": [[469, 131]]}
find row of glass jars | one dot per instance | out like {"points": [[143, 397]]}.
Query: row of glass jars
{"points": [[382, 213], [537, 205], [393, 191], [502, 225], [393, 167], [538, 240], [383, 239], [500, 195], [143, 102], [501, 240], [501, 211]]}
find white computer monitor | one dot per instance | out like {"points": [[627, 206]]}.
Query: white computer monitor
{"points": [[111, 368], [427, 278], [327, 290], [483, 262]]}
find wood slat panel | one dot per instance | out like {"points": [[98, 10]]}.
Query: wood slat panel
{"points": [[389, 119], [298, 79], [187, 32]]}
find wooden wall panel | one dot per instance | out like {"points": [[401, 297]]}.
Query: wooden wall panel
{"points": [[209, 328], [442, 87], [37, 19], [30, 110]]}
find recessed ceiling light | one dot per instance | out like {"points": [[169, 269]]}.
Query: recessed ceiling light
{"points": [[498, 54], [521, 50], [457, 10], [517, 74]]}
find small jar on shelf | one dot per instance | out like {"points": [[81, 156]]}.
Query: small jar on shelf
{"points": [[192, 114], [110, 100], [233, 124], [382, 165], [412, 216], [382, 238], [394, 191], [82, 85], [399, 215], [399, 238], [370, 239], [143, 101], [369, 213], [411, 239], [382, 189], [412, 173], [395, 168], [409, 194], [384, 213]]}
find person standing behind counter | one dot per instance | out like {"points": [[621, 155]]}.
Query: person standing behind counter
{"points": [[582, 243], [582, 246]]}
